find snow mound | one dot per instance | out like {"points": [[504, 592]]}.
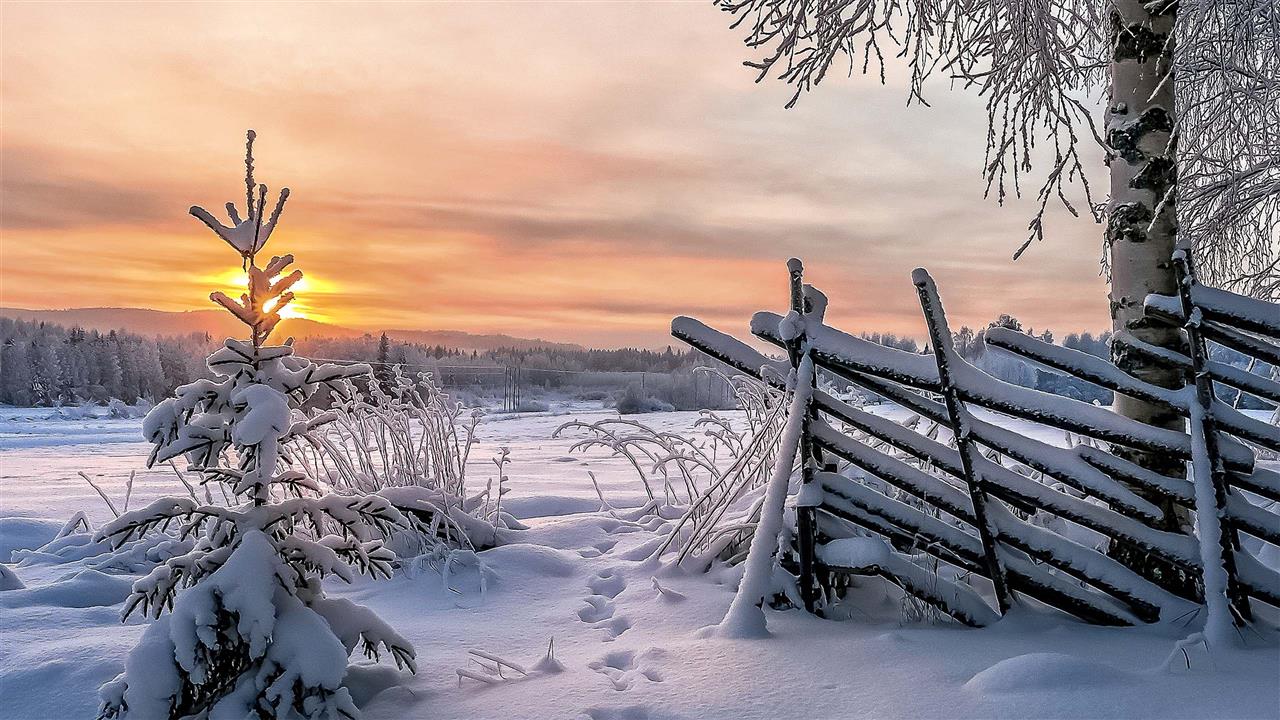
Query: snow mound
{"points": [[9, 580], [85, 589], [1036, 672], [549, 505], [366, 680], [23, 533], [531, 559]]}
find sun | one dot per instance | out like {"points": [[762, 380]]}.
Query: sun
{"points": [[292, 310], [233, 282]]}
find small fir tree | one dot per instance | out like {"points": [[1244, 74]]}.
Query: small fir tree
{"points": [[249, 631]]}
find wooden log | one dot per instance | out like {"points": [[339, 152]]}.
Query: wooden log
{"points": [[809, 458], [1241, 513], [1261, 482], [1216, 332], [849, 514], [945, 356], [1220, 306]]}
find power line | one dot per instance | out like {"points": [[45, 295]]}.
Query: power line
{"points": [[474, 368]]}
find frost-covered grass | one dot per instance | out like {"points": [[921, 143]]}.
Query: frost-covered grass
{"points": [[625, 629]]}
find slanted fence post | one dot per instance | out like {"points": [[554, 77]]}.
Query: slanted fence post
{"points": [[805, 520], [944, 353], [1230, 538]]}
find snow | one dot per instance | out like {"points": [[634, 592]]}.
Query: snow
{"points": [[1041, 672], [628, 647], [20, 533], [861, 552]]}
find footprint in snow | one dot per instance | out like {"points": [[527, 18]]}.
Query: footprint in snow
{"points": [[601, 548], [599, 614], [599, 611], [614, 627], [624, 669], [608, 583], [598, 608]]}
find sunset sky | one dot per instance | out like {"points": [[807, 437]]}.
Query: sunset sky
{"points": [[571, 171]]}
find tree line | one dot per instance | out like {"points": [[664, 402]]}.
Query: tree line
{"points": [[44, 364]]}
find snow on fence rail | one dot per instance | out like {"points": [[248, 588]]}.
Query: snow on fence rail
{"points": [[984, 503]]}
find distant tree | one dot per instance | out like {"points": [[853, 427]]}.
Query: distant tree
{"points": [[45, 380], [110, 376], [15, 374], [382, 370], [965, 341], [151, 382], [1007, 321]]}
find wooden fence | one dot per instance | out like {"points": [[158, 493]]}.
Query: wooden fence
{"points": [[990, 501]]}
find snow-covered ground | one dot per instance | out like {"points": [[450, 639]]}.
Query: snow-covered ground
{"points": [[625, 631]]}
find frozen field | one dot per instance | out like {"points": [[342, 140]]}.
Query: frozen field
{"points": [[42, 451], [624, 628]]}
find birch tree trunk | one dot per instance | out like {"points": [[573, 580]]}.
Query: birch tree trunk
{"points": [[1142, 223]]}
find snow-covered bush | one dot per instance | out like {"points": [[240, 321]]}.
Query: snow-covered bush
{"points": [[121, 410], [410, 433], [632, 402], [408, 443], [249, 632], [534, 405], [713, 482]]}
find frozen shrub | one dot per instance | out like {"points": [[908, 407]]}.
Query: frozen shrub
{"points": [[631, 401], [249, 632], [83, 411], [700, 474], [121, 410], [407, 442]]}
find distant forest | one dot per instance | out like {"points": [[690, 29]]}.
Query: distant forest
{"points": [[43, 364]]}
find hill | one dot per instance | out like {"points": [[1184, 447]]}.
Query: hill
{"points": [[217, 323]]}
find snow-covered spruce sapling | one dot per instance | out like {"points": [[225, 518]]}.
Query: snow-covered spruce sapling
{"points": [[249, 632]]}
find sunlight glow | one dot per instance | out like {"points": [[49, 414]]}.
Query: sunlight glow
{"points": [[234, 281]]}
